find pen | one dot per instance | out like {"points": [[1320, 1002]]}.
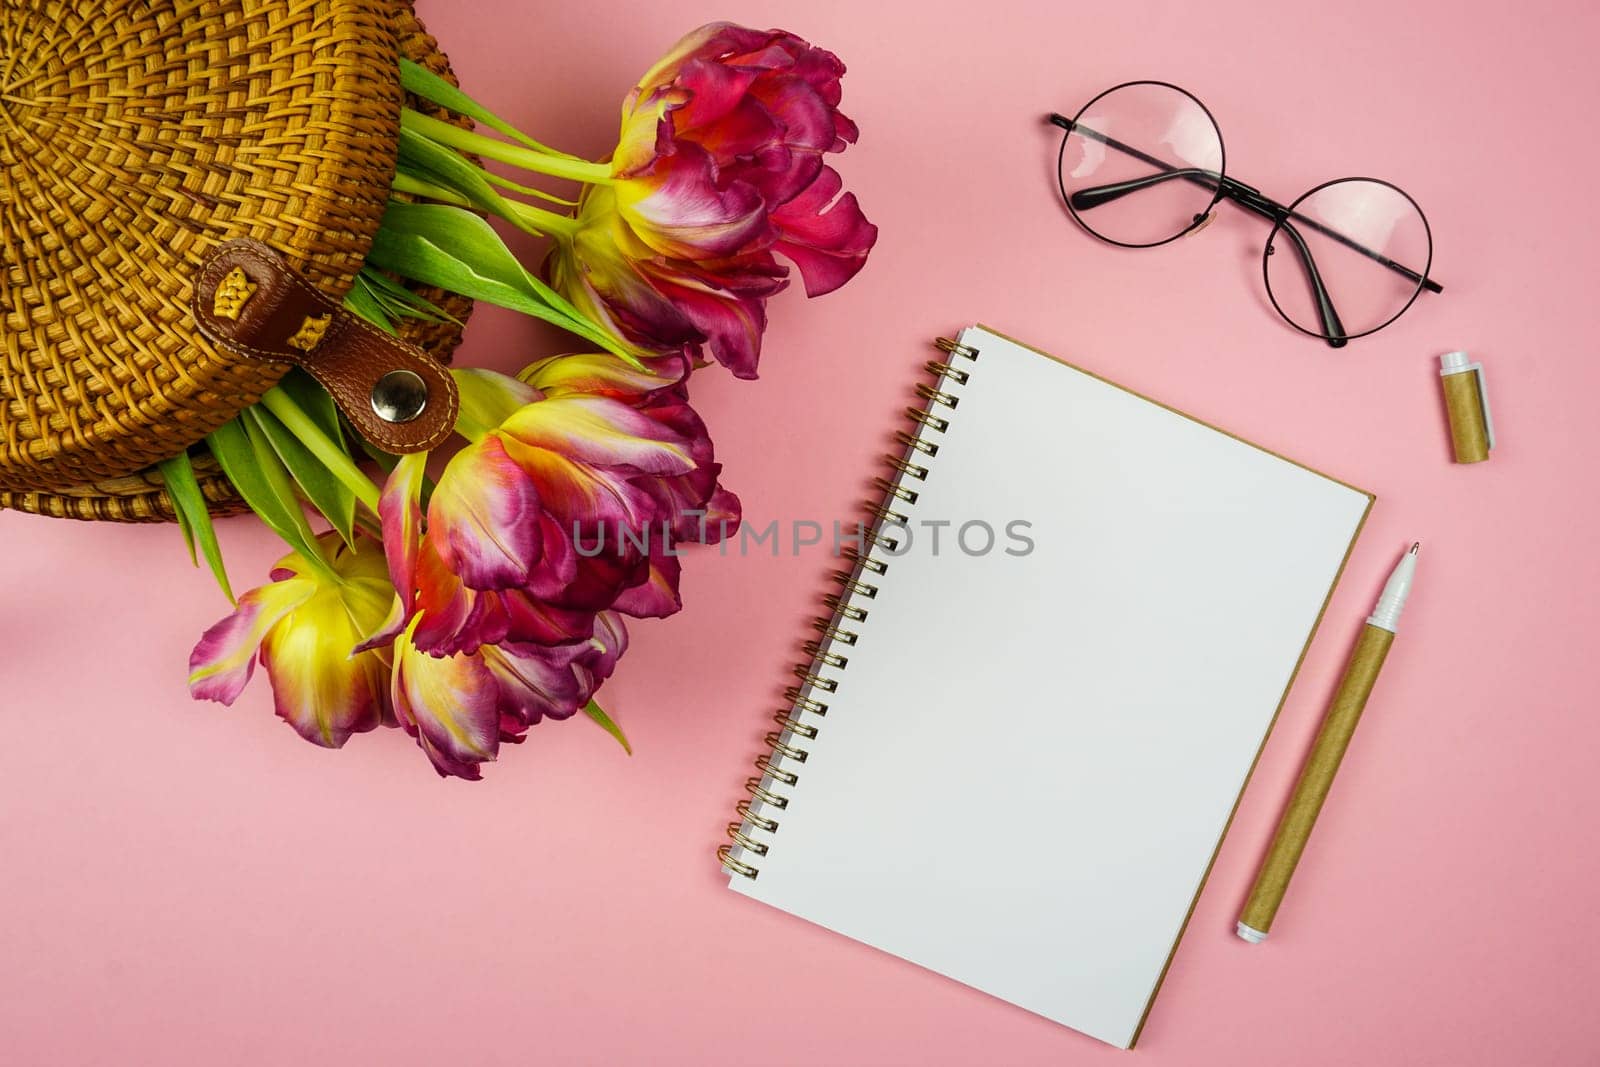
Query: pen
{"points": [[1316, 778]]}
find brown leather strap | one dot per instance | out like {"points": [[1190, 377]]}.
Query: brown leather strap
{"points": [[249, 301]]}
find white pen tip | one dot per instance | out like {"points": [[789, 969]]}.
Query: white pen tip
{"points": [[1414, 546]]}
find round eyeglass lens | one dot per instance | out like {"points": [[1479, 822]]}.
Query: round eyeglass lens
{"points": [[1350, 256], [1141, 164]]}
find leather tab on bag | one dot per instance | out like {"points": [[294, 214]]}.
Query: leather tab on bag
{"points": [[252, 303]]}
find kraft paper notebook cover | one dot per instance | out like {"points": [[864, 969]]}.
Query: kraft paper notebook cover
{"points": [[1016, 769]]}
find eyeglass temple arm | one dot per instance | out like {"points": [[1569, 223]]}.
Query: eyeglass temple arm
{"points": [[1332, 328], [1095, 195], [1240, 193]]}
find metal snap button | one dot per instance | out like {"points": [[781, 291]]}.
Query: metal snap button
{"points": [[399, 396]]}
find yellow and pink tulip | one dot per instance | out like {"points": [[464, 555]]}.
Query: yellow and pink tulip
{"points": [[304, 626], [564, 504], [307, 629], [719, 166], [462, 707]]}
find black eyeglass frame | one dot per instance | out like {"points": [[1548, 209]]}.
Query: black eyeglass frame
{"points": [[1252, 200]]}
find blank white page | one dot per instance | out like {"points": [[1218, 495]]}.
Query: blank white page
{"points": [[1029, 761]]}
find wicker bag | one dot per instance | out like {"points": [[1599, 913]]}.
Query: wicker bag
{"points": [[140, 141]]}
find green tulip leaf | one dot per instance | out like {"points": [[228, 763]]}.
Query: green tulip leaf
{"points": [[420, 81], [310, 397], [255, 470], [432, 162], [325, 492], [363, 303], [402, 302], [194, 518], [456, 250], [595, 712]]}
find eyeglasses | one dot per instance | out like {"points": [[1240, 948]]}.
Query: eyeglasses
{"points": [[1143, 164]]}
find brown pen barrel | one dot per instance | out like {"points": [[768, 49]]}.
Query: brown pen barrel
{"points": [[1316, 778]]}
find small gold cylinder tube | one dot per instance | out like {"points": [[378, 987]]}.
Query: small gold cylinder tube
{"points": [[1467, 405]]}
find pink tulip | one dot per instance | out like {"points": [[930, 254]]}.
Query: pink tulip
{"points": [[719, 166], [701, 510], [462, 707], [764, 106], [566, 504]]}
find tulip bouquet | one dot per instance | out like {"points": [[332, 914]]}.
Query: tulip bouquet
{"points": [[468, 607]]}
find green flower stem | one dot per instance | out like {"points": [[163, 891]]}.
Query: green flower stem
{"points": [[405, 183], [490, 148], [535, 220], [527, 190], [340, 465], [542, 221]]}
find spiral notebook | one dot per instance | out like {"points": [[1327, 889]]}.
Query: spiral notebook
{"points": [[1012, 760]]}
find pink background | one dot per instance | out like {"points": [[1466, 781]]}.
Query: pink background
{"points": [[184, 883]]}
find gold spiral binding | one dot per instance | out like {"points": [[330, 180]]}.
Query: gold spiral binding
{"points": [[800, 729], [866, 563], [802, 671], [945, 370], [928, 392], [910, 470], [877, 540], [915, 443], [849, 584], [839, 607], [887, 515], [736, 831], [797, 696], [783, 744], [819, 652], [955, 348], [834, 633], [775, 742], [765, 765], [899, 492], [750, 816], [733, 866], [754, 787]]}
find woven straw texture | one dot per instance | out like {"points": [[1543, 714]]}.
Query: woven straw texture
{"points": [[134, 137]]}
